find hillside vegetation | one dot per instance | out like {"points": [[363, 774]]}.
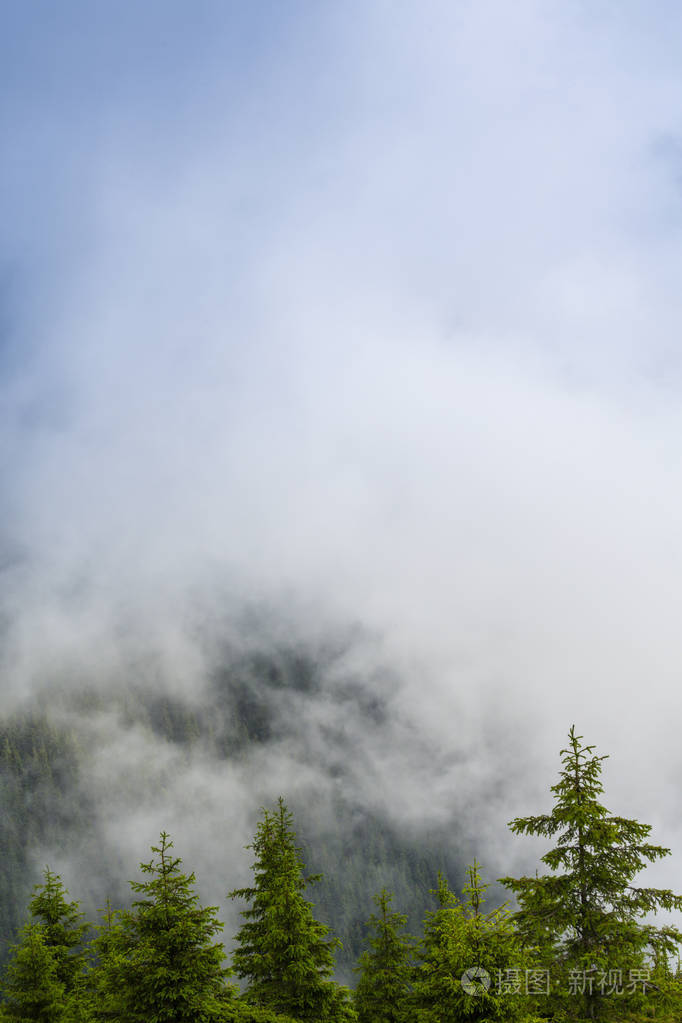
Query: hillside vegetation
{"points": [[577, 947]]}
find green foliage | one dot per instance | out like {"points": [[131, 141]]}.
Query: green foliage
{"points": [[239, 1011], [45, 805], [282, 950], [79, 1008], [64, 929], [383, 988], [46, 967], [103, 996], [458, 937], [362, 854], [32, 987], [585, 916], [159, 962]]}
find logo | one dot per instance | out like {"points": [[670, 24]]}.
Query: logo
{"points": [[475, 980]]}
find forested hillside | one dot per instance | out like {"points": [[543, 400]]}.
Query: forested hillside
{"points": [[52, 807], [578, 947], [340, 472], [38, 777]]}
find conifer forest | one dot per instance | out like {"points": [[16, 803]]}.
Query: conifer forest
{"points": [[578, 943], [340, 504]]}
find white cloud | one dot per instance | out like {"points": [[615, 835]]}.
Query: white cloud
{"points": [[392, 342]]}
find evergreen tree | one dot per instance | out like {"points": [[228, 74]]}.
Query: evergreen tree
{"points": [[78, 1005], [382, 992], [472, 965], [63, 927], [159, 961], [282, 950], [586, 915], [33, 991], [104, 992]]}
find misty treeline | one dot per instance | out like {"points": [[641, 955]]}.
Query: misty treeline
{"points": [[81, 767], [578, 946]]}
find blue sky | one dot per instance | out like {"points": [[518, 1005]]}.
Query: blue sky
{"points": [[370, 310]]}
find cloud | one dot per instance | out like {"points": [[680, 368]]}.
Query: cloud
{"points": [[376, 326]]}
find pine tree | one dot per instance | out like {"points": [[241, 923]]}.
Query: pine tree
{"points": [[104, 990], [31, 986], [282, 950], [63, 925], [471, 964], [586, 915], [159, 960], [382, 992]]}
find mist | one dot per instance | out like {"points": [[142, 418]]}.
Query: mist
{"points": [[351, 330]]}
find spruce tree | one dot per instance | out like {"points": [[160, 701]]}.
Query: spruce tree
{"points": [[586, 915], [282, 950], [31, 986], [104, 989], [471, 964], [159, 960], [63, 927], [383, 988]]}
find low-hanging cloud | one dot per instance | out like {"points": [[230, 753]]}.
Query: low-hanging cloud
{"points": [[380, 329]]}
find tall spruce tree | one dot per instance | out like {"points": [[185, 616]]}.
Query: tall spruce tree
{"points": [[382, 993], [104, 992], [63, 927], [282, 950], [586, 916], [159, 961]]}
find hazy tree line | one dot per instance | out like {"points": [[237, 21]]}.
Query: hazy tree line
{"points": [[577, 946], [52, 757]]}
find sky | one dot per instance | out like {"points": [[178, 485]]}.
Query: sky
{"points": [[369, 314]]}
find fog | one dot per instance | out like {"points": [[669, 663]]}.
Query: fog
{"points": [[350, 328]]}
